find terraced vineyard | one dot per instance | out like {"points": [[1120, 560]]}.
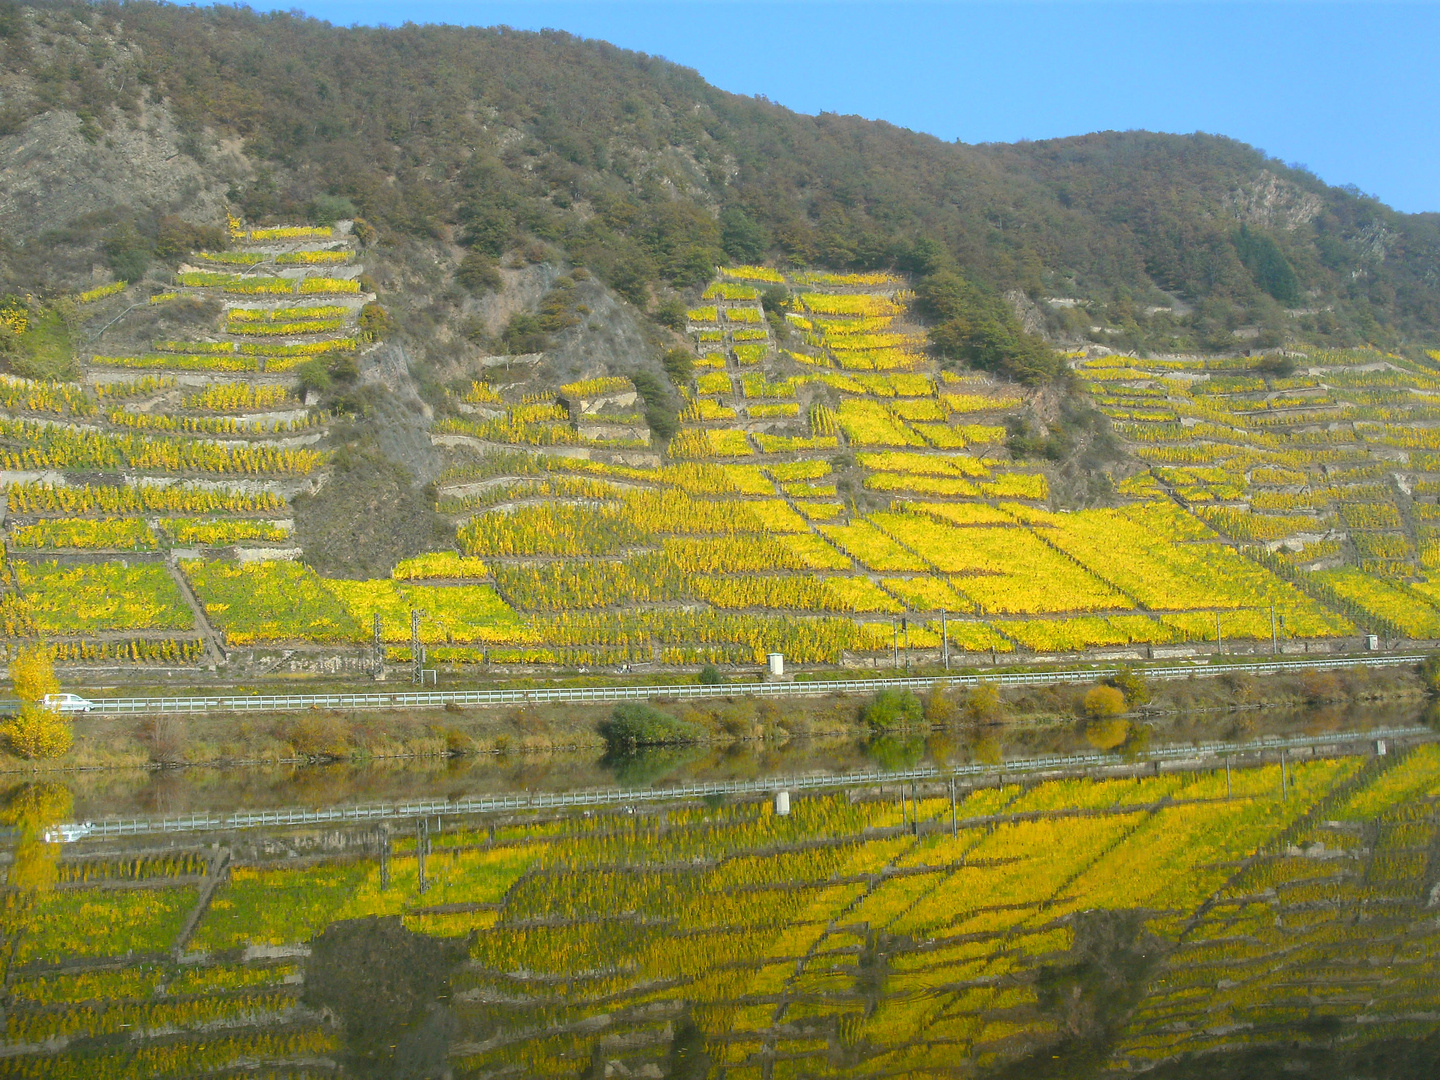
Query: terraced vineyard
{"points": [[176, 456], [1330, 460], [827, 481], [837, 941]]}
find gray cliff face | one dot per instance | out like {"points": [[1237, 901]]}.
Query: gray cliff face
{"points": [[51, 174], [402, 423], [611, 339]]}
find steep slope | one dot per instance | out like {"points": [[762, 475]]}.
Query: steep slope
{"points": [[456, 139], [514, 394], [827, 490]]}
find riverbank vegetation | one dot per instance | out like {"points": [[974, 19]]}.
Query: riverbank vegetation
{"points": [[1057, 717]]}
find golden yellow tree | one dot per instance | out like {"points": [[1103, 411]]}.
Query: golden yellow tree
{"points": [[1102, 702], [36, 731], [32, 674]]}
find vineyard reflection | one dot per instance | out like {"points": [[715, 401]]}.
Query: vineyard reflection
{"points": [[1203, 923]]}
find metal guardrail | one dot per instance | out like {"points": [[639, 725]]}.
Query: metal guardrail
{"points": [[377, 812], [692, 691]]}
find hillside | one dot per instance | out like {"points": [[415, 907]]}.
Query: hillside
{"points": [[821, 481], [718, 383], [454, 140]]}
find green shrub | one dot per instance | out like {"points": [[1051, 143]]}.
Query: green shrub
{"points": [[376, 322], [661, 412], [710, 675], [982, 704], [178, 237], [892, 709], [478, 273], [127, 252], [680, 366], [328, 209], [43, 349], [634, 724], [939, 706], [1430, 672], [776, 300], [1132, 684], [313, 375], [671, 312]]}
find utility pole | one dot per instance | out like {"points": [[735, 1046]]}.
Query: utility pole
{"points": [[379, 649], [1219, 644], [417, 660], [945, 639]]}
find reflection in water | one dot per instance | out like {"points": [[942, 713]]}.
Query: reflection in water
{"points": [[1199, 924], [647, 765], [1090, 993], [389, 988], [151, 792], [32, 810], [894, 752], [1107, 734]]}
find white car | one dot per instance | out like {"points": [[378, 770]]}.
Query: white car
{"points": [[67, 703], [67, 834]]}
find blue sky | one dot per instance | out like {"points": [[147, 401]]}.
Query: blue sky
{"points": [[1350, 90]]}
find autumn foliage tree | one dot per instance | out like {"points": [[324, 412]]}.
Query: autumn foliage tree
{"points": [[1102, 702], [35, 731]]}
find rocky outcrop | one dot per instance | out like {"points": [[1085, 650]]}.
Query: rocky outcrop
{"points": [[51, 173], [1273, 203]]}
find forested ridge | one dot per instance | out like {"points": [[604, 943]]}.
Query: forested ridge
{"points": [[641, 171]]}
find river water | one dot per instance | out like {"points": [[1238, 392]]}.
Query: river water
{"points": [[168, 792], [1260, 920]]}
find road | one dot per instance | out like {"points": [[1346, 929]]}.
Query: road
{"points": [[435, 699]]}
